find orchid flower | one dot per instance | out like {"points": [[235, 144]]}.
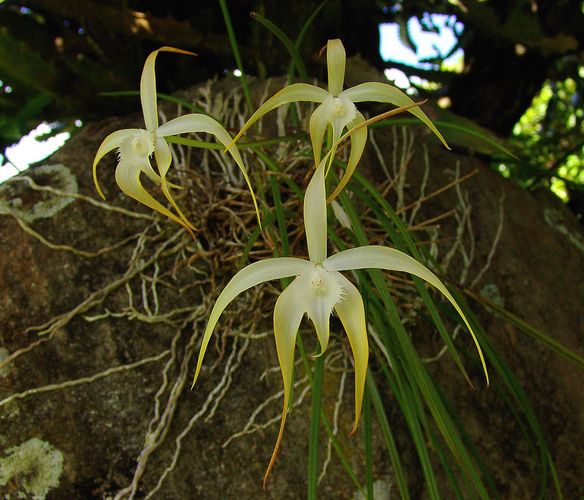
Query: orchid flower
{"points": [[318, 289], [136, 146], [337, 109]]}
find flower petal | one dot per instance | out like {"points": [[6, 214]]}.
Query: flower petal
{"points": [[291, 93], [315, 215], [252, 275], [383, 92], [163, 160], [352, 314], [358, 141], [111, 142], [193, 123], [128, 179], [288, 313], [335, 62], [287, 316], [148, 87], [319, 121], [163, 156], [393, 260], [336, 111]]}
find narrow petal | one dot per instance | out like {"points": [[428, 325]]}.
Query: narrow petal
{"points": [[315, 215], [111, 142], [148, 87], [163, 156], [383, 92], [319, 121], [193, 123], [393, 260], [288, 313], [148, 170], [287, 316], [292, 93], [358, 141], [163, 160], [352, 314], [248, 277], [128, 179], [335, 61]]}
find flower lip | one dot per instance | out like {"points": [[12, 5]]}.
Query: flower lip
{"points": [[340, 109], [323, 284], [343, 107], [137, 146]]}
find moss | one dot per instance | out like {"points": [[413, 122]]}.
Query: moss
{"points": [[31, 470], [31, 204]]}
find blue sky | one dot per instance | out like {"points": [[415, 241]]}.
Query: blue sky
{"points": [[429, 44]]}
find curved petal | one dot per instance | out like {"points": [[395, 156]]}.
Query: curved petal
{"points": [[193, 123], [128, 179], [352, 314], [111, 142], [163, 160], [335, 62], [287, 316], [149, 171], [291, 93], [319, 121], [315, 215], [288, 313], [358, 141], [163, 156], [383, 92], [148, 87], [393, 260], [250, 276]]}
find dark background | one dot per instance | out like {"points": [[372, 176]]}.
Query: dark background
{"points": [[57, 56]]}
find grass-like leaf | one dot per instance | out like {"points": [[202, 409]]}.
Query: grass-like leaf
{"points": [[236, 53], [290, 47]]}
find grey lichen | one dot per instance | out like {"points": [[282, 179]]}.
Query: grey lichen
{"points": [[491, 292], [3, 355], [35, 204], [381, 491], [31, 470], [555, 218]]}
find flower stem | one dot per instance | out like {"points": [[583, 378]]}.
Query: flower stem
{"points": [[368, 443], [317, 377]]}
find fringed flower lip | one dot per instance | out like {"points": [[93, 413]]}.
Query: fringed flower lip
{"points": [[136, 146], [318, 289], [337, 108]]}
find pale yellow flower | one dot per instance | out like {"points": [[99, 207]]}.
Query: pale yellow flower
{"points": [[318, 289], [337, 108], [136, 146]]}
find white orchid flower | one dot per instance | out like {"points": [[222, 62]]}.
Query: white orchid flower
{"points": [[337, 108], [320, 288], [135, 147]]}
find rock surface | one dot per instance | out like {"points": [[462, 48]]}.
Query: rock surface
{"points": [[104, 307]]}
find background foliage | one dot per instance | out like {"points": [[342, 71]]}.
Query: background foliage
{"points": [[522, 76]]}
